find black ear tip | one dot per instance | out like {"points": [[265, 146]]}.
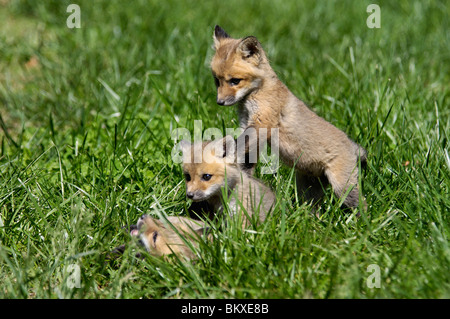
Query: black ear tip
{"points": [[219, 32]]}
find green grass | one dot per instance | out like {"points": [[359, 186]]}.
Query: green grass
{"points": [[85, 147]]}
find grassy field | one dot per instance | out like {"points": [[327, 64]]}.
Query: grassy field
{"points": [[85, 148]]}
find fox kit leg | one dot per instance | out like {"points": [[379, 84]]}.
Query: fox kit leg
{"points": [[310, 188], [341, 179]]}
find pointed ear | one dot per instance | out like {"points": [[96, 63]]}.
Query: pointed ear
{"points": [[247, 149], [219, 34], [203, 230], [250, 49], [185, 146], [225, 148], [153, 223], [186, 153]]}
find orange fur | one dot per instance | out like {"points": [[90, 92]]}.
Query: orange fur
{"points": [[171, 236], [224, 176], [320, 152]]}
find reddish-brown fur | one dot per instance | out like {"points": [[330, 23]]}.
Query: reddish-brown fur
{"points": [[176, 235], [227, 182], [320, 152]]}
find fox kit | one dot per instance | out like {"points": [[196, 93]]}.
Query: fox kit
{"points": [[218, 175], [169, 237], [321, 152]]}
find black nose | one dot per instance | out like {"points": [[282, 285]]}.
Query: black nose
{"points": [[220, 102], [190, 195]]}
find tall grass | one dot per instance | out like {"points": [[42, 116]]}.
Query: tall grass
{"points": [[85, 148]]}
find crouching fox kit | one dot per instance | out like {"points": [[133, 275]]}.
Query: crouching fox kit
{"points": [[176, 235], [320, 152], [219, 179]]}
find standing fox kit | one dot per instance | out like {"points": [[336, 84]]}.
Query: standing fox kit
{"points": [[320, 152], [218, 178]]}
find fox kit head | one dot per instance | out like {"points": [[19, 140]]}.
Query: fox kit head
{"points": [[238, 66], [217, 168], [161, 238]]}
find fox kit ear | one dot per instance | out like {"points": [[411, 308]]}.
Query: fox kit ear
{"points": [[219, 34], [250, 49], [225, 148], [152, 222], [203, 230], [185, 146]]}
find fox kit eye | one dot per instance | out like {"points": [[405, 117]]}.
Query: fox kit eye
{"points": [[206, 177], [155, 235], [216, 81], [235, 81], [188, 177]]}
